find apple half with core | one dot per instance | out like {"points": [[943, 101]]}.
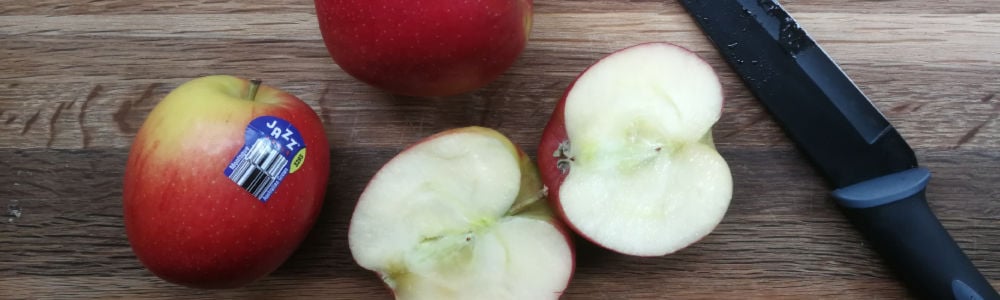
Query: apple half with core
{"points": [[628, 155], [425, 48], [461, 215], [219, 187]]}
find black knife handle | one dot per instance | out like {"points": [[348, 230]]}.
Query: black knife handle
{"points": [[892, 213]]}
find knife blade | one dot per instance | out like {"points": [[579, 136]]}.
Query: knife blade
{"points": [[875, 173]]}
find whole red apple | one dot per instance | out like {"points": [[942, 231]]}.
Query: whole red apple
{"points": [[425, 48], [219, 187]]}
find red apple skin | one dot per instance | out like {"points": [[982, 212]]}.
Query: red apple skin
{"points": [[191, 225], [554, 135], [434, 48]]}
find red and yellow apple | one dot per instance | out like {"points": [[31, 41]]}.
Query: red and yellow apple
{"points": [[628, 154], [461, 215], [219, 189], [425, 48]]}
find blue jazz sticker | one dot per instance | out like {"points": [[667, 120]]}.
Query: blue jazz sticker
{"points": [[273, 149]]}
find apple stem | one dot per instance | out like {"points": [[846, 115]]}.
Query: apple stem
{"points": [[520, 206], [254, 85]]}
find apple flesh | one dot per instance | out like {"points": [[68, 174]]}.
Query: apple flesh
{"points": [[461, 215], [628, 155], [186, 220], [430, 48]]}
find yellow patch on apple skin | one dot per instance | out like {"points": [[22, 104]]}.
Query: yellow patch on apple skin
{"points": [[205, 107], [297, 161]]}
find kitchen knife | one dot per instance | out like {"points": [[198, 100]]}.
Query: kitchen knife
{"points": [[875, 173]]}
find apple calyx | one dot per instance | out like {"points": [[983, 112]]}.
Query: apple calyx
{"points": [[563, 157]]}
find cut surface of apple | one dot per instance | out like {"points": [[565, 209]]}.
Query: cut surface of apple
{"points": [[461, 215], [629, 157]]}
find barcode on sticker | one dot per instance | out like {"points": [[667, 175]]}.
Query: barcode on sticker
{"points": [[270, 146], [259, 168]]}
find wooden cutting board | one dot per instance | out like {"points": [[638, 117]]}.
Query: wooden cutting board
{"points": [[77, 78]]}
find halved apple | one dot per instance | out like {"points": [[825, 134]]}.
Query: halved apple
{"points": [[461, 215], [628, 154]]}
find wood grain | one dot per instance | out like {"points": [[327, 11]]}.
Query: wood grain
{"points": [[79, 77], [563, 45]]}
